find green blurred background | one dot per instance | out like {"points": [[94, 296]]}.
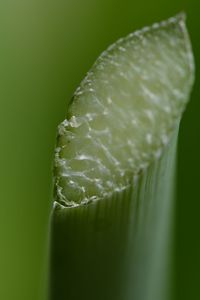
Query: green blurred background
{"points": [[46, 47]]}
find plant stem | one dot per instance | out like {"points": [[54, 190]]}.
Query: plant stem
{"points": [[117, 248]]}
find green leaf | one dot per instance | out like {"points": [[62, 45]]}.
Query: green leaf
{"points": [[114, 169]]}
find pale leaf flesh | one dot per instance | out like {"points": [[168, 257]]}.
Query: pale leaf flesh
{"points": [[123, 113]]}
